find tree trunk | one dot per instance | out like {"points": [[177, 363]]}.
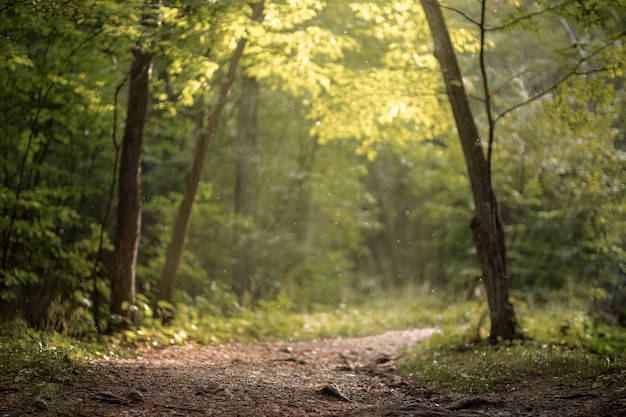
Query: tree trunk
{"points": [[246, 192], [488, 232], [128, 225], [174, 253]]}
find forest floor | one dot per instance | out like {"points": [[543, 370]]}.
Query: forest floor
{"points": [[327, 377]]}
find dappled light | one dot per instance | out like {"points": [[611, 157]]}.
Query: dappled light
{"points": [[308, 207]]}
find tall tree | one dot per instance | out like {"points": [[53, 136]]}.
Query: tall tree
{"points": [[246, 191], [246, 187], [174, 253], [488, 231], [128, 226]]}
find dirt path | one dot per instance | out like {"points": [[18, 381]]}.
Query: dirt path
{"points": [[334, 377]]}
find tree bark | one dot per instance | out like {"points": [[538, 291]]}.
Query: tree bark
{"points": [[128, 225], [488, 233], [246, 192]]}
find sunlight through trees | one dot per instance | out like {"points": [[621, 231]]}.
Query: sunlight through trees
{"points": [[307, 151]]}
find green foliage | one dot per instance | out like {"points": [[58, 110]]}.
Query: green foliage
{"points": [[55, 265], [362, 184], [54, 155], [557, 200]]}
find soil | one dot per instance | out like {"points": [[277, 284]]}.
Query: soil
{"points": [[329, 377]]}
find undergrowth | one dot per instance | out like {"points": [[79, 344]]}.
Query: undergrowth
{"points": [[43, 356], [561, 346], [280, 319]]}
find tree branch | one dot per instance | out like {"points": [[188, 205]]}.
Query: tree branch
{"points": [[508, 80], [486, 90], [574, 72], [550, 89], [477, 98], [528, 16], [460, 13]]}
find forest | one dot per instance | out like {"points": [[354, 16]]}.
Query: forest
{"points": [[207, 158], [283, 197]]}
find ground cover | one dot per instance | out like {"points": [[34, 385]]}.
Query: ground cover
{"points": [[431, 370]]}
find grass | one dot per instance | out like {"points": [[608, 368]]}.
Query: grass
{"points": [[442, 366], [562, 347], [280, 320], [26, 359], [28, 355], [39, 364]]}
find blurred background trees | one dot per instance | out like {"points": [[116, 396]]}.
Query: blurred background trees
{"points": [[358, 180]]}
